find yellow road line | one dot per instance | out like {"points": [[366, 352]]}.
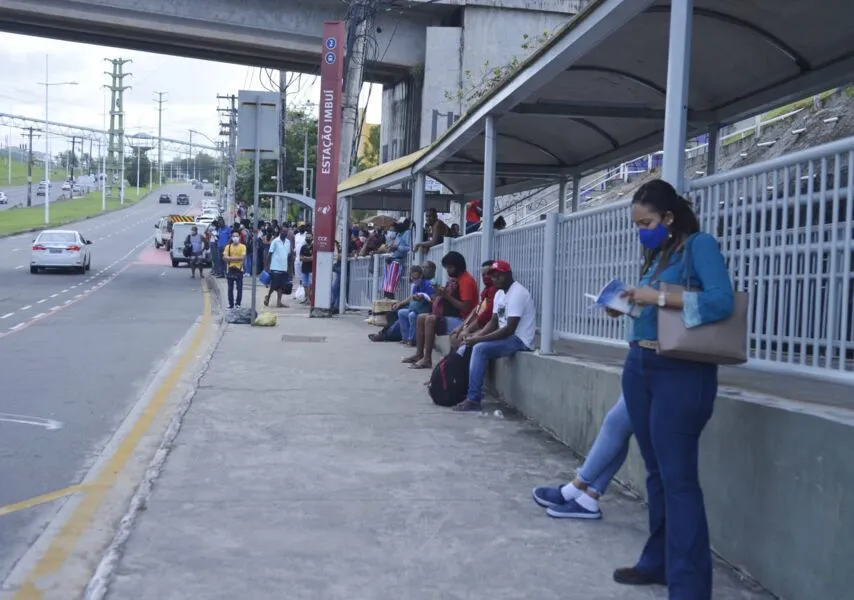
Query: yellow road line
{"points": [[81, 519], [42, 499]]}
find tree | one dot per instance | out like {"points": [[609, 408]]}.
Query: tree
{"points": [[67, 158], [370, 156], [131, 165], [206, 166]]}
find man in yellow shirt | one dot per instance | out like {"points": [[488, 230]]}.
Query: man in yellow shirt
{"points": [[234, 254]]}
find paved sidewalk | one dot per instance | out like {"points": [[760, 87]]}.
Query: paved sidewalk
{"points": [[313, 465]]}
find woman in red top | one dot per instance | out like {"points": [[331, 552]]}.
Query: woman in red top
{"points": [[452, 304], [479, 317]]}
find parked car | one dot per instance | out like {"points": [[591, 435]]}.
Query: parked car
{"points": [[4, 199], [165, 199], [60, 249], [208, 194]]}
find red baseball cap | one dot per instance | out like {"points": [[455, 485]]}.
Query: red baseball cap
{"points": [[500, 266]]}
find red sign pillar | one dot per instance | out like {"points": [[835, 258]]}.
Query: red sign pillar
{"points": [[328, 151]]}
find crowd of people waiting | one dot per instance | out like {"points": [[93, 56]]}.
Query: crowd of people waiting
{"points": [[665, 401]]}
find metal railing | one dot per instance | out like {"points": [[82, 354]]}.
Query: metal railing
{"points": [[786, 227], [786, 230]]}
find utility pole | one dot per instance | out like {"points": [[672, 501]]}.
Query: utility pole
{"points": [[228, 127], [160, 110], [281, 164], [361, 20], [116, 135], [89, 162], [29, 131]]}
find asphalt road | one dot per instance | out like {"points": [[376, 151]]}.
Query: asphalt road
{"points": [[79, 350], [18, 194]]}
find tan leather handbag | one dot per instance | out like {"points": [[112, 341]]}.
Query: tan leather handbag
{"points": [[720, 343]]}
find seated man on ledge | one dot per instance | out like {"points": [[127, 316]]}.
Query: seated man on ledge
{"points": [[480, 317], [512, 329]]}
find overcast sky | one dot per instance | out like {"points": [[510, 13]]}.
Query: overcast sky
{"points": [[191, 86]]}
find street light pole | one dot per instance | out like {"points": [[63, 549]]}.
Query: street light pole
{"points": [[46, 146], [47, 85]]}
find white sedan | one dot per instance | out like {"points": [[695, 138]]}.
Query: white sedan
{"points": [[60, 249], [4, 199]]}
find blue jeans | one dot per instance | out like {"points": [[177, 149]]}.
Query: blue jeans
{"points": [[481, 354], [669, 403], [610, 449], [407, 319]]}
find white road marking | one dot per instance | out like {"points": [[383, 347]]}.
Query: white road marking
{"points": [[54, 295], [42, 301], [38, 316], [19, 267], [63, 291], [18, 326], [16, 249], [7, 315], [49, 424], [57, 307], [27, 307]]}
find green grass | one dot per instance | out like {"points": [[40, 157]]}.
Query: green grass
{"points": [[17, 220], [19, 173]]}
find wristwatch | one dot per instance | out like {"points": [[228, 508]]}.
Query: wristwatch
{"points": [[662, 300]]}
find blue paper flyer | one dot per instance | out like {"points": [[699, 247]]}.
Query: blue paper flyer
{"points": [[611, 296]]}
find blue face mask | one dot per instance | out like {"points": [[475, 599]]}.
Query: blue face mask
{"points": [[652, 239]]}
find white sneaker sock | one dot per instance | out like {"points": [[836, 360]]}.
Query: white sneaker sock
{"points": [[588, 502], [570, 492]]}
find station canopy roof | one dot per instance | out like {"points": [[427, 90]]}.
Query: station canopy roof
{"points": [[594, 95]]}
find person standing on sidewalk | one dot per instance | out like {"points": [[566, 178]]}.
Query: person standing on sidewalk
{"points": [[306, 259], [234, 255], [223, 236], [277, 266], [670, 400]]}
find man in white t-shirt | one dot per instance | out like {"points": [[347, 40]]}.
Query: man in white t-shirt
{"points": [[511, 330]]}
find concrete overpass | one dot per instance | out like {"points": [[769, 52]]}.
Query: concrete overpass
{"points": [[282, 34], [420, 50]]}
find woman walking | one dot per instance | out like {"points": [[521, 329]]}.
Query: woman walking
{"points": [[670, 400]]}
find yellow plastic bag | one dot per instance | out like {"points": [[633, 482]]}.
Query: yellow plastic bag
{"points": [[266, 319]]}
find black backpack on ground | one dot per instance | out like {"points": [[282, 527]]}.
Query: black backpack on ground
{"points": [[449, 382]]}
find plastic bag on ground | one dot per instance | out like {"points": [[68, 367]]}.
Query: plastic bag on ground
{"points": [[299, 295], [266, 319], [238, 316]]}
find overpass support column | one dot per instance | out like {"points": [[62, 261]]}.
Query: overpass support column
{"points": [[576, 192], [712, 153], [487, 241], [418, 214], [676, 104], [561, 196]]}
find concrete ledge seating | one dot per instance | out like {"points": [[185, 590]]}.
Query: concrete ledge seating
{"points": [[777, 473]]}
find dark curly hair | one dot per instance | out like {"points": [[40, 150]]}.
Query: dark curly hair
{"points": [[661, 197]]}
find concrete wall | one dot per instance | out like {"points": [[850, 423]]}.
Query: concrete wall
{"points": [[401, 118], [442, 76], [778, 476], [492, 38]]}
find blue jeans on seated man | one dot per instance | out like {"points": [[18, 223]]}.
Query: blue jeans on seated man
{"points": [[481, 354], [406, 318]]}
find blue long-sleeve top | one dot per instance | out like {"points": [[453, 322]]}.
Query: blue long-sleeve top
{"points": [[403, 244], [711, 296]]}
